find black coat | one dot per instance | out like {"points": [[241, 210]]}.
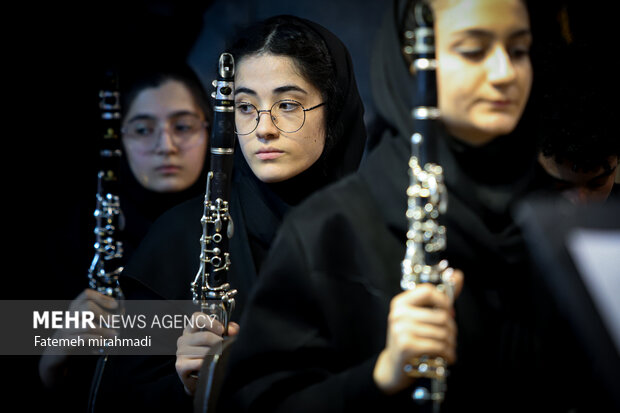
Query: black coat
{"points": [[317, 319]]}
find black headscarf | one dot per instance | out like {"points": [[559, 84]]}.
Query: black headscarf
{"points": [[168, 260], [499, 312], [345, 129], [489, 176], [140, 206]]}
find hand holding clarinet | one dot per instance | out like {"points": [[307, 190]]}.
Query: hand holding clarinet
{"points": [[421, 336]]}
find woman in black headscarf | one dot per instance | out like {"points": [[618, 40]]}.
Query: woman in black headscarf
{"points": [[165, 121], [280, 62], [328, 327]]}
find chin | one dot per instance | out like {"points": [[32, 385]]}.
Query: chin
{"points": [[271, 178], [498, 126], [169, 186], [272, 175]]}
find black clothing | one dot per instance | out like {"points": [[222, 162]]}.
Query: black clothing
{"points": [[317, 320], [168, 259], [140, 208]]}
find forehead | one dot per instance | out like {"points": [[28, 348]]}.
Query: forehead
{"points": [[169, 97], [264, 74], [498, 17]]}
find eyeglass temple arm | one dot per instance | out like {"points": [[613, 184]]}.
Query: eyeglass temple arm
{"points": [[314, 107]]}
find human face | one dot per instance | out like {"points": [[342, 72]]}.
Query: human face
{"points": [[580, 187], [273, 155], [484, 72], [165, 166]]}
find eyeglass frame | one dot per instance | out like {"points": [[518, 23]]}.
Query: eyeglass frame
{"points": [[259, 111], [166, 126]]}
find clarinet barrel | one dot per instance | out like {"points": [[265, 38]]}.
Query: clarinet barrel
{"points": [[426, 237]]}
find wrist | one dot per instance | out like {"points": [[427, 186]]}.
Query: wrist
{"points": [[386, 375]]}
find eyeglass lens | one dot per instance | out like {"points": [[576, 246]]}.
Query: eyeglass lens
{"points": [[287, 115], [146, 131]]}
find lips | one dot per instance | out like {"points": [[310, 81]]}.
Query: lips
{"points": [[501, 103], [168, 169], [269, 153]]}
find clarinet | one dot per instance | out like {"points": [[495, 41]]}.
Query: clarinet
{"points": [[210, 288], [426, 237], [106, 265]]}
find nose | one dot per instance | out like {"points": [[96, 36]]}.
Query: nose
{"points": [[266, 129], [165, 142], [500, 66]]}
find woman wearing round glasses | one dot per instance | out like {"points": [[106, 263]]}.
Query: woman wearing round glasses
{"points": [[299, 123], [165, 114]]}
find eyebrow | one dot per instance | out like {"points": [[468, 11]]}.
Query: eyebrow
{"points": [[490, 34], [144, 116], [277, 91], [289, 88]]}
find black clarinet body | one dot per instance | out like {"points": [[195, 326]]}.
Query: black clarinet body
{"points": [[210, 288], [426, 237], [106, 265]]}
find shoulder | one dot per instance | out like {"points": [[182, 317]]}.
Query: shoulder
{"points": [[332, 227], [181, 211], [179, 218], [347, 200]]}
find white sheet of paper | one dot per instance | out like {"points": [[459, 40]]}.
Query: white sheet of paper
{"points": [[596, 254]]}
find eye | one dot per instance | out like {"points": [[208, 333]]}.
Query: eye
{"points": [[141, 129], [473, 48], [519, 47], [244, 108], [183, 127], [472, 54], [186, 124], [288, 106], [519, 52]]}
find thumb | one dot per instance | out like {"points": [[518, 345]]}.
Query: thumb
{"points": [[233, 329], [455, 278], [458, 279]]}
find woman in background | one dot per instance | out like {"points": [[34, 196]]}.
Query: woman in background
{"points": [[165, 132]]}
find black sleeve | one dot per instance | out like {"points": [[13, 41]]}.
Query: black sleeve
{"points": [[291, 353], [141, 383]]}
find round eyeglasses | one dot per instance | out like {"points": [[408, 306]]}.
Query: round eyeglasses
{"points": [[183, 129], [287, 115]]}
